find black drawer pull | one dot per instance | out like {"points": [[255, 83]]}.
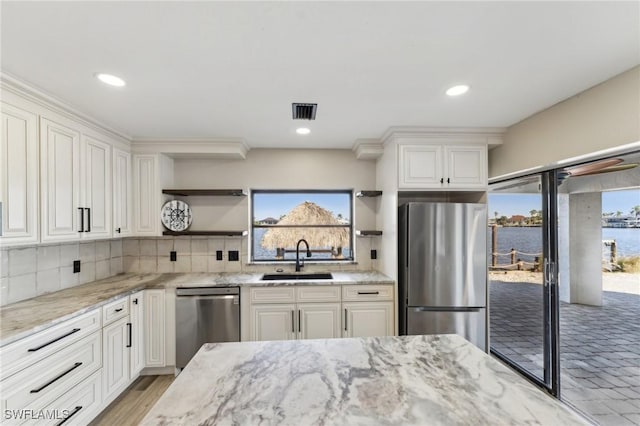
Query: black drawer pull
{"points": [[119, 309], [130, 335], [88, 220], [75, 330], [50, 382], [81, 228], [71, 414], [368, 292], [345, 319]]}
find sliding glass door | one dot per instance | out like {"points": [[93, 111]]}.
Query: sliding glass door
{"points": [[523, 276]]}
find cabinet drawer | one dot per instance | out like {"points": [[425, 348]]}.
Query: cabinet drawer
{"points": [[115, 310], [318, 294], [25, 352], [354, 293], [78, 406], [43, 382], [273, 295]]}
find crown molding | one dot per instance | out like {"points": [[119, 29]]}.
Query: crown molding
{"points": [[229, 148], [27, 91], [492, 136], [368, 149]]}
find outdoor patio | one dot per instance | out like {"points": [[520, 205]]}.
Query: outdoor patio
{"points": [[599, 347]]}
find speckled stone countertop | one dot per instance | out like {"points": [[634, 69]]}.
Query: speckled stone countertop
{"points": [[24, 318], [409, 380]]}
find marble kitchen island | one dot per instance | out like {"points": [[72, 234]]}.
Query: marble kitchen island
{"points": [[434, 380]]}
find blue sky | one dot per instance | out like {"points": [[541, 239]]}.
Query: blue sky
{"points": [[271, 205], [510, 204]]}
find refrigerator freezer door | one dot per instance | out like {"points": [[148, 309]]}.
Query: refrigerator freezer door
{"points": [[446, 255], [469, 324]]}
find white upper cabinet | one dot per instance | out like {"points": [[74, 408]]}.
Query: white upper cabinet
{"points": [[60, 182], [466, 166], [442, 166], [122, 202], [19, 176], [96, 188]]}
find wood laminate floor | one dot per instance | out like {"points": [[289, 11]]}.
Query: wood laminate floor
{"points": [[130, 408]]}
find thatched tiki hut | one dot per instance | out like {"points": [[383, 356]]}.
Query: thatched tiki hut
{"points": [[307, 213]]}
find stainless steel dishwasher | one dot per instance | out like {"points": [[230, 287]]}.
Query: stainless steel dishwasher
{"points": [[205, 315]]}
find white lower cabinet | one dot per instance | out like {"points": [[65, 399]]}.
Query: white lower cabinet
{"points": [[78, 406], [318, 320], [116, 358], [317, 312], [154, 324], [273, 322], [136, 330], [368, 319]]}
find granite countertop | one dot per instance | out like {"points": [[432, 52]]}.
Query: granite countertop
{"points": [[434, 380], [24, 318]]}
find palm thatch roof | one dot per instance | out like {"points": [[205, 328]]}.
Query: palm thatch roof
{"points": [[307, 213]]}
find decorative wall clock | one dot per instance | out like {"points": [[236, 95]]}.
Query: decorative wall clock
{"points": [[176, 215]]}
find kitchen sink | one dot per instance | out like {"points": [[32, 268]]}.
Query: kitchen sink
{"points": [[316, 276]]}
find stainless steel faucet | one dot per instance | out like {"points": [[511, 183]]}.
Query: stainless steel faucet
{"points": [[300, 263]]}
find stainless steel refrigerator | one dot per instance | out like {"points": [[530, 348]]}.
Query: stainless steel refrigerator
{"points": [[442, 269]]}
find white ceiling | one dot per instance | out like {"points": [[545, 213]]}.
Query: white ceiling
{"points": [[218, 70]]}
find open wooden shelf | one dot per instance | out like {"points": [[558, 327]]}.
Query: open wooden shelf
{"points": [[211, 233], [204, 192], [368, 194], [368, 233]]}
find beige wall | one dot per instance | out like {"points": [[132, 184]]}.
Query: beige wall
{"points": [[277, 169], [603, 117]]}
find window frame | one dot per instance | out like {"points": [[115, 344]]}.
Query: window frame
{"points": [[350, 226]]}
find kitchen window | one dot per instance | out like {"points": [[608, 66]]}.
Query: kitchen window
{"points": [[280, 218]]}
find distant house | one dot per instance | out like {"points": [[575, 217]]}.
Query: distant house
{"points": [[268, 221], [517, 219]]}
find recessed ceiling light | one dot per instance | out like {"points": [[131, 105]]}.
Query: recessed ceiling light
{"points": [[457, 90], [109, 79], [303, 131]]}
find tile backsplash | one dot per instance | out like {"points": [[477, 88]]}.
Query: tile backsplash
{"points": [[198, 254], [31, 271]]}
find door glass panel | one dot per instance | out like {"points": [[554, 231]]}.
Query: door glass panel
{"points": [[515, 238]]}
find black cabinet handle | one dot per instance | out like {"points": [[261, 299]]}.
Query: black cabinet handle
{"points": [[368, 292], [293, 326], [75, 330], [118, 230], [299, 322], [441, 180], [130, 333], [52, 381], [448, 180], [81, 228], [345, 319], [119, 309], [88, 220], [71, 414], [135, 301]]}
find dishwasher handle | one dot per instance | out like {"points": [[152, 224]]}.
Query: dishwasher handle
{"points": [[207, 291]]}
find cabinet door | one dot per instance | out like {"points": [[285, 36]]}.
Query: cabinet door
{"points": [[19, 176], [154, 325], [466, 166], [319, 321], [420, 166], [273, 322], [122, 185], [60, 181], [136, 319], [146, 209], [368, 319], [96, 166], [116, 358]]}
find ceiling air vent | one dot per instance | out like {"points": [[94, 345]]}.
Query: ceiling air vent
{"points": [[304, 111]]}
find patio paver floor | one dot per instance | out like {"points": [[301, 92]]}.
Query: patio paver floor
{"points": [[599, 347]]}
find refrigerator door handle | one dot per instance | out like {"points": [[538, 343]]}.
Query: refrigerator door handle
{"points": [[445, 309]]}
